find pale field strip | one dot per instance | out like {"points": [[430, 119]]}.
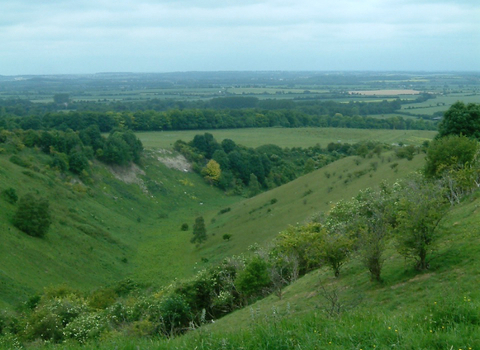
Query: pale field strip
{"points": [[384, 92]]}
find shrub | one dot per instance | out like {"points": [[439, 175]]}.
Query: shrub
{"points": [[77, 162], [254, 279], [225, 210], [86, 327], [33, 215], [19, 161], [406, 152], [59, 161], [10, 195], [227, 236], [184, 227], [175, 315]]}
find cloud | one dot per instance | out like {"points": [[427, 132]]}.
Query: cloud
{"points": [[281, 34]]}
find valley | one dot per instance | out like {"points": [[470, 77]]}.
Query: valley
{"points": [[290, 211]]}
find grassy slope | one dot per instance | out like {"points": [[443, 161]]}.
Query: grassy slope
{"points": [[256, 220], [100, 233], [113, 230], [435, 309]]}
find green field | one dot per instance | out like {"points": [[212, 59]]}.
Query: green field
{"points": [[441, 103], [298, 137]]}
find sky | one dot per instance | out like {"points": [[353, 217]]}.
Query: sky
{"points": [[91, 36]]}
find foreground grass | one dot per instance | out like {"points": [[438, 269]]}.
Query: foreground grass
{"points": [[294, 137]]}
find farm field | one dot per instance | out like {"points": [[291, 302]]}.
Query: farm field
{"points": [[283, 137], [440, 103], [384, 92]]}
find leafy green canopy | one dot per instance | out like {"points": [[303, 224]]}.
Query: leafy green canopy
{"points": [[451, 152], [461, 119], [33, 215]]}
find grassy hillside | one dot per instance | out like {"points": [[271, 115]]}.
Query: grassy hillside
{"points": [[102, 229], [259, 219], [125, 222], [434, 309]]}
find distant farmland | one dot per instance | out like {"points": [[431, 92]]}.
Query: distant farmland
{"points": [[385, 92], [286, 137]]}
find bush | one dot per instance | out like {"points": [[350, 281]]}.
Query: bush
{"points": [[19, 161], [10, 195], [175, 314], [77, 162], [224, 210], [85, 327], [254, 279], [449, 153], [33, 215], [184, 227]]}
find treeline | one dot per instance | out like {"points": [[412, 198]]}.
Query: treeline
{"points": [[198, 119], [242, 170], [220, 113], [22, 107], [72, 150]]}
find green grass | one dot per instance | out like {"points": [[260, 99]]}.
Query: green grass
{"points": [[110, 230], [102, 232], [283, 137], [257, 220]]}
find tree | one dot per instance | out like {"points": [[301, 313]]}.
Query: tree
{"points": [[461, 119], [377, 213], [420, 208], [253, 186], [254, 278], [77, 162], [300, 245], [309, 166], [33, 215], [212, 172], [334, 250], [451, 152], [199, 231]]}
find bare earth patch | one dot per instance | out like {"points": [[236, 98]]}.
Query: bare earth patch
{"points": [[129, 175], [173, 161], [416, 278]]}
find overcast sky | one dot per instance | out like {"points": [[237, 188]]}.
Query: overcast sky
{"points": [[89, 36]]}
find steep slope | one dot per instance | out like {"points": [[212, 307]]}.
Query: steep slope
{"points": [[99, 224], [259, 219]]}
